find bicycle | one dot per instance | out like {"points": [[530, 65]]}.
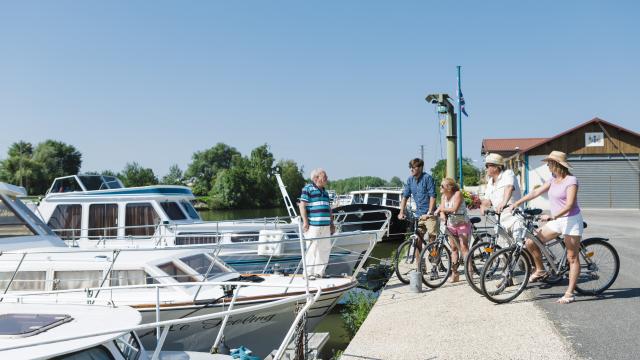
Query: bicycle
{"points": [[407, 254], [506, 274], [485, 245]]}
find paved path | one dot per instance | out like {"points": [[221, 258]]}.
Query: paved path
{"points": [[607, 326], [454, 322]]}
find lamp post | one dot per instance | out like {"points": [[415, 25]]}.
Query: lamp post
{"points": [[444, 106]]}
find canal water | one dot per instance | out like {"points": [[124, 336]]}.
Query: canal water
{"points": [[332, 323]]}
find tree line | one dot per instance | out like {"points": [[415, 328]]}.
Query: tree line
{"points": [[220, 176]]}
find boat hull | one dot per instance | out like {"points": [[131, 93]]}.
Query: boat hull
{"points": [[261, 331]]}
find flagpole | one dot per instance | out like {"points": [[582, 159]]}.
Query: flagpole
{"points": [[460, 176]]}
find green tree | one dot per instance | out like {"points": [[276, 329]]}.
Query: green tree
{"points": [[19, 168], [36, 168], [292, 178], [135, 175], [56, 159], [230, 190], [471, 173], [396, 182], [343, 186], [174, 177], [206, 164], [260, 172]]}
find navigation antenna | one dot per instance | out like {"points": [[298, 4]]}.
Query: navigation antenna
{"points": [[285, 195]]}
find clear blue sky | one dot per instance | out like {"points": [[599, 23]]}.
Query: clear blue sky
{"points": [[337, 84]]}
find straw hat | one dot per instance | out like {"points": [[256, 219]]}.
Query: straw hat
{"points": [[494, 159], [559, 157]]}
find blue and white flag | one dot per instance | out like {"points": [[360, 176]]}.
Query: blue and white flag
{"points": [[462, 105]]}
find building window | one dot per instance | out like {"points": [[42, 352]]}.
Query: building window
{"points": [[103, 221], [141, 220], [66, 220]]}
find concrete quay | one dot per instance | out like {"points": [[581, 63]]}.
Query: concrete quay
{"points": [[454, 322]]}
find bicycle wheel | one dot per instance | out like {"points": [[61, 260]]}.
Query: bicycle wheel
{"points": [[599, 266], [435, 260], [505, 275], [474, 263], [406, 260]]}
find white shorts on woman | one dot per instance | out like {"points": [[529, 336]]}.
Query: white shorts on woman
{"points": [[567, 225]]}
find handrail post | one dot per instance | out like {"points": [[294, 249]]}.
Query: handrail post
{"points": [[214, 348], [13, 276], [303, 254], [157, 314]]}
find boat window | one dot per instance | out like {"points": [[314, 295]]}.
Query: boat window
{"points": [[94, 353], [128, 277], [201, 262], [244, 237], [141, 219], [175, 272], [129, 346], [198, 238], [66, 220], [103, 221], [10, 223], [191, 211], [393, 199], [65, 185], [374, 199], [24, 280], [173, 210], [30, 324], [358, 198], [66, 280]]}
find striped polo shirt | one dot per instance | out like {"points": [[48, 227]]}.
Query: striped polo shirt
{"points": [[317, 204]]}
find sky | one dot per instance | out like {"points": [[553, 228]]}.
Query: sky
{"points": [[333, 84]]}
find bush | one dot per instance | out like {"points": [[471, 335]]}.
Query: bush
{"points": [[471, 200], [356, 310]]}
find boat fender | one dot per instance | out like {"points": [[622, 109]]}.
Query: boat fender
{"points": [[243, 353]]}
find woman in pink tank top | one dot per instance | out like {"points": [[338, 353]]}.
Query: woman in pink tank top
{"points": [[565, 219]]}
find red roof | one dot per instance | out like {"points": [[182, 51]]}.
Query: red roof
{"points": [[493, 145], [592, 121]]}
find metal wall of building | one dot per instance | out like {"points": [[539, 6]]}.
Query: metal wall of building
{"points": [[607, 182]]}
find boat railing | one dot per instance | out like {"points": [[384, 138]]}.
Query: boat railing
{"points": [[171, 234], [162, 327]]}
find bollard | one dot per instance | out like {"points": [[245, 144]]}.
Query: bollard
{"points": [[415, 281]]}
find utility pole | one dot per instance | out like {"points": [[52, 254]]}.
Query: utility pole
{"points": [[444, 106], [422, 152]]}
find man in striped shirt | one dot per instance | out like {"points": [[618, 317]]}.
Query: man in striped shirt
{"points": [[317, 222]]}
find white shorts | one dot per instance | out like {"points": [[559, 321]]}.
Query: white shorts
{"points": [[567, 225]]}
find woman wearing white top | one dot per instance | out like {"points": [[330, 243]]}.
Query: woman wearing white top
{"points": [[452, 203]]}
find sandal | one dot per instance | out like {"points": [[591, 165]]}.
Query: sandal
{"points": [[538, 276], [566, 299]]}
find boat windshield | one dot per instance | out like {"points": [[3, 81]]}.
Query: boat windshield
{"points": [[100, 182], [193, 214], [16, 219], [204, 265], [375, 199]]}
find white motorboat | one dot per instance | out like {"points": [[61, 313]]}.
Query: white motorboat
{"points": [[91, 211], [162, 283], [365, 205], [45, 331]]}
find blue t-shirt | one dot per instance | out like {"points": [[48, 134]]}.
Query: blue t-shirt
{"points": [[317, 204], [422, 189]]}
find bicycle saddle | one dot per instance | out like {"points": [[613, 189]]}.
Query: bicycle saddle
{"points": [[475, 220], [533, 212]]}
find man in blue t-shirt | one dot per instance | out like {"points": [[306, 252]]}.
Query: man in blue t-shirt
{"points": [[317, 222], [422, 188]]}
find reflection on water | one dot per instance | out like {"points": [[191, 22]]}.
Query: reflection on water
{"points": [[332, 323]]}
